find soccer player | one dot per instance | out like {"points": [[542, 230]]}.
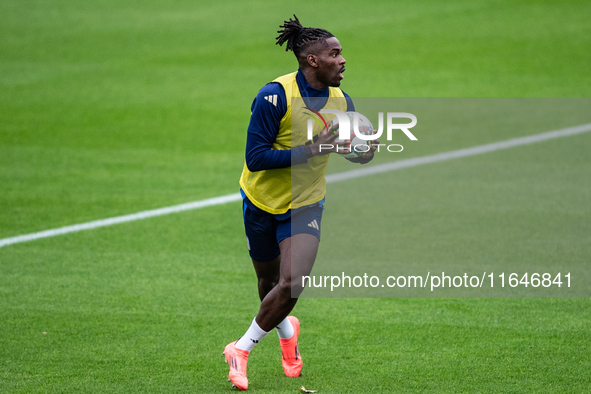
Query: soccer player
{"points": [[283, 235]]}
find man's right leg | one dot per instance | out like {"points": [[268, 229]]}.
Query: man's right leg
{"points": [[237, 352], [267, 275], [266, 257]]}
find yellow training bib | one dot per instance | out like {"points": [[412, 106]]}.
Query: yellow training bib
{"points": [[278, 190]]}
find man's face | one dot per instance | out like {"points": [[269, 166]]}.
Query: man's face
{"points": [[331, 63]]}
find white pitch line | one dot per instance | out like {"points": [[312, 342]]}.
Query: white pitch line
{"points": [[456, 154], [377, 169], [122, 219]]}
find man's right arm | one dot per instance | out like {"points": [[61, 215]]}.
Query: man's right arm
{"points": [[268, 108]]}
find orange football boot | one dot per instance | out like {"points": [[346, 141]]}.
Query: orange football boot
{"points": [[292, 361], [237, 358]]}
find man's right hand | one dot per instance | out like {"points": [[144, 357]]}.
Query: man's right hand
{"points": [[326, 142]]}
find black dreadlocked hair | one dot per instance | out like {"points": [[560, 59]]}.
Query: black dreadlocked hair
{"points": [[298, 37]]}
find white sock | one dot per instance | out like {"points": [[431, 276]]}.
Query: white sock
{"points": [[252, 336], [284, 329]]}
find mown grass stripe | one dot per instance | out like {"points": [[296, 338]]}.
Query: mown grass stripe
{"points": [[371, 170]]}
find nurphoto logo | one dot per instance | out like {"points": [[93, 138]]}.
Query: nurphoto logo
{"points": [[361, 131]]}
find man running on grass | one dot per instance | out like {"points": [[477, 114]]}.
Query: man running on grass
{"points": [[283, 234]]}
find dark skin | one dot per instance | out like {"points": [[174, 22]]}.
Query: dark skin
{"points": [[280, 280]]}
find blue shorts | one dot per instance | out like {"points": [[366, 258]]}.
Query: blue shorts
{"points": [[264, 231]]}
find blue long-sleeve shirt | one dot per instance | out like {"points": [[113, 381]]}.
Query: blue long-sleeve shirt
{"points": [[264, 125]]}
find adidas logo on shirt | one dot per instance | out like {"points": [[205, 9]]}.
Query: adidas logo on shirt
{"points": [[314, 224], [272, 99]]}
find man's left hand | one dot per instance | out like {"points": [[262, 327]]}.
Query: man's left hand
{"points": [[373, 145]]}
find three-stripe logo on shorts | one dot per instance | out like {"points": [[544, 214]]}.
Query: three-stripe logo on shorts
{"points": [[314, 224]]}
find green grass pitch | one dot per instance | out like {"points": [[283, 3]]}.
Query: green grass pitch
{"points": [[114, 107]]}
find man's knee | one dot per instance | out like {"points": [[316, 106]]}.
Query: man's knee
{"points": [[267, 284], [291, 287]]}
